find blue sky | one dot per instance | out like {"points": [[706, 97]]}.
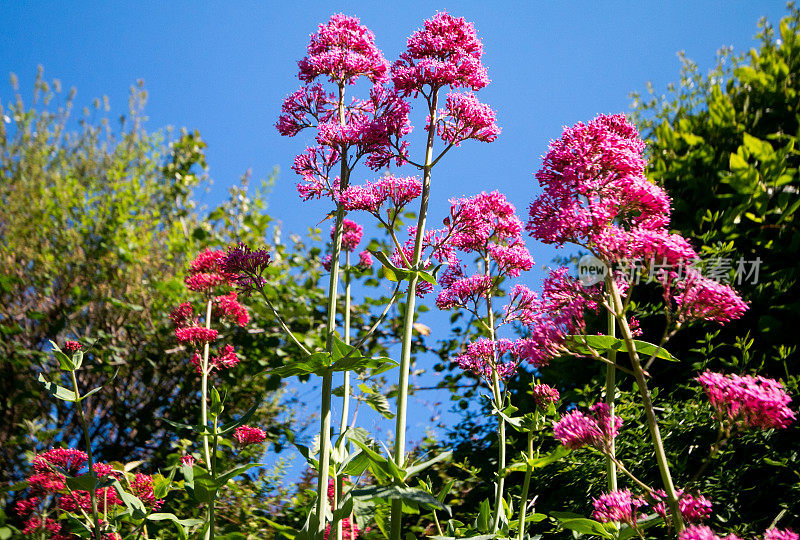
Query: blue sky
{"points": [[223, 68]]}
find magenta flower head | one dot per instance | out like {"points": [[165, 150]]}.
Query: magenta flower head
{"points": [[544, 395], [395, 191], [778, 534], [483, 357], [246, 266], [598, 429], [352, 233], [618, 506], [196, 335], [446, 52], [592, 175], [343, 50], [71, 346], [246, 435], [365, 259], [205, 273], [745, 402], [701, 532], [698, 297], [464, 117], [693, 508]]}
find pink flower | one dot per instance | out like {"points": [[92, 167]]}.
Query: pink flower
{"points": [[246, 435], [692, 508], [463, 118], [187, 460], [351, 234], [343, 50], [229, 309], [544, 395], [576, 429], [246, 267], [26, 507], [71, 346], [350, 530], [182, 315], [474, 221], [483, 357], [304, 108], [364, 259], [326, 262], [777, 534], [465, 291], [226, 359], [196, 335], [701, 532], [592, 175], [71, 460], [698, 297], [142, 487], [746, 402], [314, 167], [511, 259], [446, 52], [205, 272], [35, 525], [550, 319], [372, 196], [617, 506]]}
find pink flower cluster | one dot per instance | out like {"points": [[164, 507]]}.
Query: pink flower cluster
{"points": [[596, 195], [343, 50], [484, 357], [205, 273], [544, 395], [246, 435], [744, 402], [373, 195], [598, 429], [351, 234], [71, 346], [558, 313], [618, 506], [49, 482], [463, 118], [237, 265], [446, 52], [701, 532], [350, 530], [246, 267], [623, 507]]}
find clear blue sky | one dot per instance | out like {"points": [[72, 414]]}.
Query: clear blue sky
{"points": [[223, 68]]}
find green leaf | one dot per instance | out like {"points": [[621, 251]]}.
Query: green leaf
{"points": [[135, 506], [376, 400], [200, 485], [414, 469], [602, 344], [58, 392], [317, 363], [387, 466], [581, 524], [230, 426], [233, 473], [407, 494], [391, 272], [180, 524]]}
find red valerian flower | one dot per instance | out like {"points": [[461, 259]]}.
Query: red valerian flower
{"points": [[246, 435]]}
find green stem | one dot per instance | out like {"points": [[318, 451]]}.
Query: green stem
{"points": [[526, 484], [89, 459], [327, 379], [346, 398], [611, 467], [499, 403], [408, 321], [652, 423], [204, 419]]}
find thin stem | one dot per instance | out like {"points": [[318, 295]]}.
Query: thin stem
{"points": [[408, 321], [652, 423], [204, 419], [499, 402], [611, 467], [281, 322], [525, 487], [346, 398], [89, 459], [327, 379]]}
